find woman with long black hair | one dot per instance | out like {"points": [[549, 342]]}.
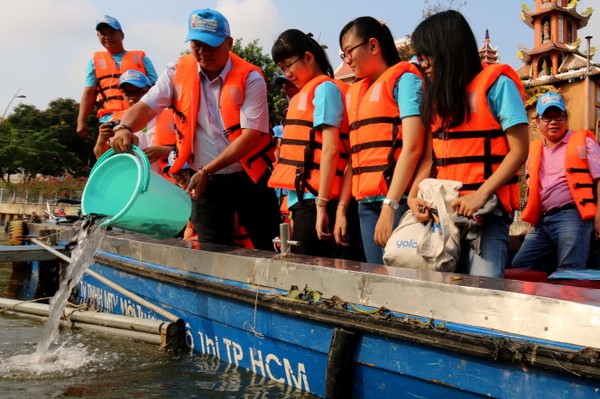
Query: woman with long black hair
{"points": [[478, 124]]}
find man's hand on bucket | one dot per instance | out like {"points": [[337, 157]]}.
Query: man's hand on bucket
{"points": [[122, 140]]}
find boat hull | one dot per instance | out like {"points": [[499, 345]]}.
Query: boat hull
{"points": [[235, 308]]}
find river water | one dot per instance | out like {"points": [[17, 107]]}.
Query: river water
{"points": [[91, 365]]}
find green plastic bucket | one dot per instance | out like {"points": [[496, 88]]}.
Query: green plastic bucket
{"points": [[132, 197]]}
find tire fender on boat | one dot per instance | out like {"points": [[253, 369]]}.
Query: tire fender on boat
{"points": [[17, 230]]}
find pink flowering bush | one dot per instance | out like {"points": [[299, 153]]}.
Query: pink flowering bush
{"points": [[48, 186]]}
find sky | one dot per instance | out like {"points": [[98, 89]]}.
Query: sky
{"points": [[46, 44]]}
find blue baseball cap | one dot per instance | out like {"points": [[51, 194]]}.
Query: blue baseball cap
{"points": [[550, 99], [108, 20], [208, 26], [134, 77]]}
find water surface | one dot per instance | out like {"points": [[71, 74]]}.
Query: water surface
{"points": [[82, 364]]}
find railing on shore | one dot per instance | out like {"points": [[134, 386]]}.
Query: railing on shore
{"points": [[14, 197]]}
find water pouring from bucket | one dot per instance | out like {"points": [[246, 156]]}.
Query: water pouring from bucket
{"points": [[132, 197], [85, 244]]}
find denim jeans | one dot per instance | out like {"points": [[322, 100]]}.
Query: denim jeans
{"points": [[493, 256], [564, 236], [368, 213]]}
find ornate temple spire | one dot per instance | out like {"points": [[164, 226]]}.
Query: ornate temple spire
{"points": [[488, 53], [555, 54]]}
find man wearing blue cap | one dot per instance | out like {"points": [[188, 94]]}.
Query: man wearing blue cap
{"points": [[221, 105], [564, 171], [133, 84], [103, 71]]}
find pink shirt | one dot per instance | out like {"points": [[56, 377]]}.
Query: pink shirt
{"points": [[554, 190]]}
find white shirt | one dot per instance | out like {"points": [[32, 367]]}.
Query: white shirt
{"points": [[146, 139], [210, 140]]}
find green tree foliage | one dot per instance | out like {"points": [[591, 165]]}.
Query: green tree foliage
{"points": [[254, 54], [406, 51], [34, 142], [430, 7]]}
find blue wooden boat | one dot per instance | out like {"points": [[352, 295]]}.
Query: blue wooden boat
{"points": [[338, 328]]}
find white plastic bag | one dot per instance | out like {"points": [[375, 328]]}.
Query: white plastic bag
{"points": [[434, 245]]}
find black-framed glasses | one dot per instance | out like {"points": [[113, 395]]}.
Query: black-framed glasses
{"points": [[348, 52], [550, 118], [284, 70]]}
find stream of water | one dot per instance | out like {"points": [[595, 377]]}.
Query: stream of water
{"points": [[37, 360]]}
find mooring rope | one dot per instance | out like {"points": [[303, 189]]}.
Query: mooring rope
{"points": [[251, 325], [14, 307], [44, 238]]}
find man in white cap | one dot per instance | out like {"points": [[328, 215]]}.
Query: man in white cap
{"points": [[564, 172], [103, 71], [220, 102]]}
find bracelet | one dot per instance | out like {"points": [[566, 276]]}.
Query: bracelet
{"points": [[204, 171], [121, 126], [325, 200], [342, 204]]}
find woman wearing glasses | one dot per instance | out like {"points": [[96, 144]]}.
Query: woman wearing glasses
{"points": [[314, 148], [478, 124], [386, 133]]}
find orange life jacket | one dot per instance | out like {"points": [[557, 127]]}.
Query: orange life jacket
{"points": [[186, 81], [577, 173], [375, 131], [110, 98], [471, 152], [164, 135], [241, 238], [301, 146]]}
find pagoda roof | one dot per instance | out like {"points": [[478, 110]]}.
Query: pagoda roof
{"points": [[574, 62], [525, 72], [574, 66], [489, 58], [344, 72], [528, 17], [487, 46], [488, 53], [546, 47]]}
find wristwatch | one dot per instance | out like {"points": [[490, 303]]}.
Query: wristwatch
{"points": [[121, 126], [392, 203]]}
